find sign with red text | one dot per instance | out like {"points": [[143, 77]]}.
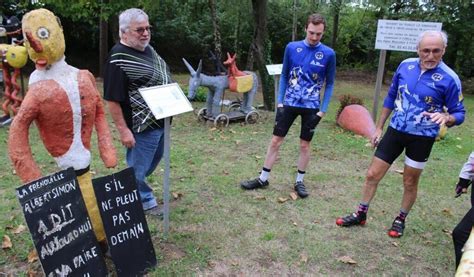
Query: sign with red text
{"points": [[125, 225], [60, 226]]}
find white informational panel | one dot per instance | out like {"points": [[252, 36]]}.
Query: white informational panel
{"points": [[166, 100], [274, 69], [401, 35]]}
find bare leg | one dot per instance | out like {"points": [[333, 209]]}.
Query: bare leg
{"points": [[377, 170], [411, 177], [272, 151], [305, 153]]}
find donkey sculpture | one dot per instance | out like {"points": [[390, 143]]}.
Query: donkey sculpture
{"points": [[216, 86]]}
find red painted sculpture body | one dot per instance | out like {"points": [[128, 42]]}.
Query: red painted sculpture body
{"points": [[356, 118]]}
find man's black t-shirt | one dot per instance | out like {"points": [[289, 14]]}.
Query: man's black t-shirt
{"points": [[126, 71]]}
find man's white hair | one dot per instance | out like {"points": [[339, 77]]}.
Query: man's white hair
{"points": [[441, 34], [129, 16]]}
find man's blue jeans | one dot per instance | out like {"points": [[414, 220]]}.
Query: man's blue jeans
{"points": [[144, 159]]}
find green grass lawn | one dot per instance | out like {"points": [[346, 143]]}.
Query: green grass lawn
{"points": [[218, 229]]}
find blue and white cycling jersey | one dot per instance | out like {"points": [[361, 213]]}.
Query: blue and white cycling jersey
{"points": [[413, 92], [305, 69]]}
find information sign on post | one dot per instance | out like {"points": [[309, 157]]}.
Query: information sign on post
{"points": [[60, 226], [125, 225], [166, 101], [275, 71], [399, 36]]}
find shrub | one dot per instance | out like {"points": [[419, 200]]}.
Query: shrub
{"points": [[346, 100]]}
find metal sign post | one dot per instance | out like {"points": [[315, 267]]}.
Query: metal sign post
{"points": [[166, 101], [166, 179]]}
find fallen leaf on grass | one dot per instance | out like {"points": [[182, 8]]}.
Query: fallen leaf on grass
{"points": [[19, 229], [316, 222], [177, 195], [93, 172], [232, 131], [447, 232], [459, 146], [458, 138], [304, 258], [6, 243], [394, 243], [234, 263], [238, 142], [293, 196], [282, 199], [213, 129], [294, 223], [346, 260], [257, 157], [260, 197], [399, 171], [32, 256], [368, 144], [211, 264], [447, 212]]}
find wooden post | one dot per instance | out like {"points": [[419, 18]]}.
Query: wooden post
{"points": [[378, 83]]}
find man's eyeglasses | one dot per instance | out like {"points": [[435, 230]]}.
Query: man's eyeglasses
{"points": [[142, 30], [427, 51]]}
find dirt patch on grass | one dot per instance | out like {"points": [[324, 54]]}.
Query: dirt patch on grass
{"points": [[171, 252]]}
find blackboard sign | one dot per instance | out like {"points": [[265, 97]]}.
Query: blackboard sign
{"points": [[59, 224], [125, 225]]}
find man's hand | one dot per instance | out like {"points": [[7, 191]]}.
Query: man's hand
{"points": [[439, 118], [321, 114], [126, 137], [461, 187], [376, 137]]}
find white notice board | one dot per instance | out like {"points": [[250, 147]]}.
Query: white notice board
{"points": [[274, 69], [401, 35], [166, 100]]}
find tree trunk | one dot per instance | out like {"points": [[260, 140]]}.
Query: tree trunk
{"points": [[103, 40], [260, 47], [295, 21], [336, 11], [217, 33], [237, 32]]}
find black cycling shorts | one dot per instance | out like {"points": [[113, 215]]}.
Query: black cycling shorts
{"points": [[286, 115], [417, 148]]}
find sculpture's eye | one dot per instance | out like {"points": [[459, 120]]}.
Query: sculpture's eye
{"points": [[43, 33]]}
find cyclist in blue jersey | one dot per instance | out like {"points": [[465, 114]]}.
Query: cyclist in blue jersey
{"points": [[420, 91], [307, 65]]}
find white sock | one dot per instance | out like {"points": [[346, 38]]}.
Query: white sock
{"points": [[300, 176], [264, 175]]}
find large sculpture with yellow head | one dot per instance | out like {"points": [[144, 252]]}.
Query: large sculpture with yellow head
{"points": [[65, 104], [13, 58]]}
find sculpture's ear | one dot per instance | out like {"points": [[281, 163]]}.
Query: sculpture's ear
{"points": [[235, 55], [228, 56], [198, 71], [190, 68]]}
